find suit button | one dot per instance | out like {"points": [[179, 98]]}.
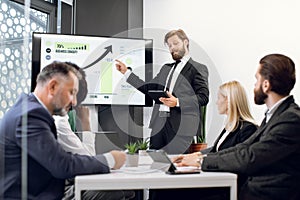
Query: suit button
{"points": [[250, 178]]}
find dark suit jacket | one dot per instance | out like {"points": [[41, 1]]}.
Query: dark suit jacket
{"points": [[243, 132], [240, 134], [270, 157], [191, 88], [48, 165]]}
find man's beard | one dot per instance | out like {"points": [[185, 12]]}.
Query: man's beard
{"points": [[260, 96], [179, 55], [60, 111]]}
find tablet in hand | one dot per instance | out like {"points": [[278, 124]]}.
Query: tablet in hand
{"points": [[156, 94]]}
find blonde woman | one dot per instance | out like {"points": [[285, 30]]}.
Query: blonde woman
{"points": [[239, 125]]}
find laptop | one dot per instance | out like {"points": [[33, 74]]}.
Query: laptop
{"points": [[162, 161]]}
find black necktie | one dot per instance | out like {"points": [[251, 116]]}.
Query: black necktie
{"points": [[171, 74], [264, 122]]}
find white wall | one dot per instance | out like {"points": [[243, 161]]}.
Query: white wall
{"points": [[229, 36]]}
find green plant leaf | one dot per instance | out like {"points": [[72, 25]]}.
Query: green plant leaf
{"points": [[132, 147], [200, 139], [143, 144]]}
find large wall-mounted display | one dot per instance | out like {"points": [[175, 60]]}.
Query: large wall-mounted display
{"points": [[96, 55]]}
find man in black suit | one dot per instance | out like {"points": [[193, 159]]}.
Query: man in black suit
{"points": [[176, 119], [270, 158]]}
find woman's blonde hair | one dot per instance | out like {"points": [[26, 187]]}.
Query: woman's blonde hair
{"points": [[238, 107]]}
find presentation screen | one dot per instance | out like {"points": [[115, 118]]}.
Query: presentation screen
{"points": [[96, 56]]}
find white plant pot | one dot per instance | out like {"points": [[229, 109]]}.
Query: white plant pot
{"points": [[143, 153], [132, 160]]}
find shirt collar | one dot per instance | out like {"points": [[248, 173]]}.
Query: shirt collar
{"points": [[185, 59], [40, 102], [271, 111]]}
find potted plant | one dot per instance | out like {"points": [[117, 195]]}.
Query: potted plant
{"points": [[143, 145], [199, 141], [132, 156], [198, 144]]}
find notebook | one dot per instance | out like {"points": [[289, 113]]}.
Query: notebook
{"points": [[162, 161]]}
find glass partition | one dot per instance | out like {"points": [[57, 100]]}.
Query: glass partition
{"points": [[15, 58]]}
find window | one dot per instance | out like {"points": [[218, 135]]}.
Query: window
{"points": [[15, 46]]}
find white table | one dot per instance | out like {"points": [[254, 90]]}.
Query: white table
{"points": [[118, 180]]}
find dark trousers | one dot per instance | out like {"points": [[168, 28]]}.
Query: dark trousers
{"points": [[108, 195], [190, 193], [168, 139], [99, 194]]}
